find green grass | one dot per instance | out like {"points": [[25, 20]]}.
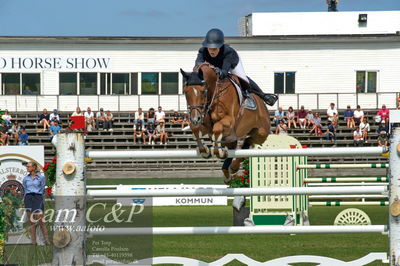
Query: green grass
{"points": [[209, 248]]}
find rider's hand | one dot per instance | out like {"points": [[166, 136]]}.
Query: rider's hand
{"points": [[221, 73]]}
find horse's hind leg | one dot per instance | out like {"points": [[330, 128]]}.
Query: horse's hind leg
{"points": [[227, 163], [235, 165]]}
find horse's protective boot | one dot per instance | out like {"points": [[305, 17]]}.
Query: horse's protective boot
{"points": [[268, 98]]}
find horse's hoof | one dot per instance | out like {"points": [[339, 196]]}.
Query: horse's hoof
{"points": [[205, 152], [220, 152], [227, 177]]}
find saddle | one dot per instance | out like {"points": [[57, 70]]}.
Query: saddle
{"points": [[248, 102]]}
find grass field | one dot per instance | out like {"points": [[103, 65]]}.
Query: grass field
{"points": [[210, 248]]}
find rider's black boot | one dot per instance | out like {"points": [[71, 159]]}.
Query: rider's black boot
{"points": [[268, 98]]}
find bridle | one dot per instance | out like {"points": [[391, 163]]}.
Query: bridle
{"points": [[201, 108]]}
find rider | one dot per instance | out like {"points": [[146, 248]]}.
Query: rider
{"points": [[225, 59]]}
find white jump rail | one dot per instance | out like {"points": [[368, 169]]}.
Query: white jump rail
{"points": [[343, 166], [240, 191], [187, 154], [259, 229]]}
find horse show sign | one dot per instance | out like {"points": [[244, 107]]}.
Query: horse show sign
{"points": [[12, 172]]}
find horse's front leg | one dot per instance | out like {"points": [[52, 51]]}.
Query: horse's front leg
{"points": [[217, 136], [201, 147]]}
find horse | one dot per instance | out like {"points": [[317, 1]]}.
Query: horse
{"points": [[214, 110]]}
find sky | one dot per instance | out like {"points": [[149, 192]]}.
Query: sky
{"points": [[151, 18]]}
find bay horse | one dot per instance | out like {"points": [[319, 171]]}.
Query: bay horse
{"points": [[214, 110]]}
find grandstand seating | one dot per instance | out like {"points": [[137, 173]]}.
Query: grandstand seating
{"points": [[122, 138]]}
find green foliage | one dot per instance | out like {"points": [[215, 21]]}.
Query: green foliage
{"points": [[50, 172], [241, 179]]}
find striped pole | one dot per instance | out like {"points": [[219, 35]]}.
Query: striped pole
{"points": [[232, 230], [334, 184], [345, 179], [342, 166], [349, 203]]}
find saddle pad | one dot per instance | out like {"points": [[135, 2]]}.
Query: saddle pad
{"points": [[250, 103], [238, 89]]}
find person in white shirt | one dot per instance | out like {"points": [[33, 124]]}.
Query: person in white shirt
{"points": [[160, 115], [332, 113], [139, 116], [100, 119], [364, 129], [54, 116], [7, 118], [357, 137], [89, 119], [358, 115]]}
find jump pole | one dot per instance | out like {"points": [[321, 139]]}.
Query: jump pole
{"points": [[239, 192], [259, 229], [343, 166], [188, 154]]}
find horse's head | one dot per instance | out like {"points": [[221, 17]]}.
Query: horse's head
{"points": [[195, 90]]}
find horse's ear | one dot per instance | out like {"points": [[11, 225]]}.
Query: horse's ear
{"points": [[184, 74]]}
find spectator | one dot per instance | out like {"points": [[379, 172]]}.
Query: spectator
{"points": [[139, 132], [44, 120], [6, 118], [160, 115], [290, 116], [54, 116], [100, 119], [54, 129], [348, 117], [139, 116], [382, 139], [310, 118], [301, 116], [108, 124], [330, 133], [15, 132], [150, 131], [332, 113], [358, 115], [383, 126], [185, 121], [160, 132], [357, 137], [4, 137], [151, 116], [364, 128], [383, 113], [177, 118], [281, 129], [77, 112], [23, 137], [316, 128], [279, 115], [89, 120]]}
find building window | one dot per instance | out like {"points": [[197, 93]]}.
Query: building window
{"points": [[88, 83], [150, 83], [31, 84], [11, 83], [284, 82], [68, 83], [169, 83], [366, 81], [120, 83]]}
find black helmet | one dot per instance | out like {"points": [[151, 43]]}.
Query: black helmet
{"points": [[214, 39]]}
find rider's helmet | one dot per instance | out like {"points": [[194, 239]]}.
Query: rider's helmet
{"points": [[214, 39]]}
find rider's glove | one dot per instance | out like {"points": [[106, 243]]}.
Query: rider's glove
{"points": [[221, 73]]}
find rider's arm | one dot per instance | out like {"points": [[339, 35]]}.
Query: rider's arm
{"points": [[231, 59], [200, 58]]}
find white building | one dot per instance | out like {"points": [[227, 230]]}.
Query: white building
{"points": [[310, 64]]}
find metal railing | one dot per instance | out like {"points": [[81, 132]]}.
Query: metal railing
{"points": [[20, 103]]}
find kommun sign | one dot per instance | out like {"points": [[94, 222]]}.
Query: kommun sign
{"points": [[12, 172]]}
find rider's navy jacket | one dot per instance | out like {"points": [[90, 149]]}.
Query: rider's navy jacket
{"points": [[226, 59]]}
